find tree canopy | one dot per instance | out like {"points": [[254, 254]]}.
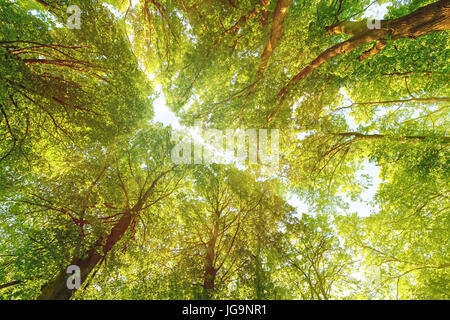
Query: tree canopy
{"points": [[87, 176]]}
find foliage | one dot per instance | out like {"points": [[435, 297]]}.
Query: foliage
{"points": [[86, 175]]}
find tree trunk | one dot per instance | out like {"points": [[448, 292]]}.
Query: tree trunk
{"points": [[275, 34], [210, 270], [57, 289], [210, 276]]}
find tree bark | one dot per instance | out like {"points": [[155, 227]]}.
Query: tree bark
{"points": [[210, 269], [275, 34]]}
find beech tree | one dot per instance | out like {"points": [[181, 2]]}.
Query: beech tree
{"points": [[87, 178]]}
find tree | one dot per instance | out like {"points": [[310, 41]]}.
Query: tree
{"points": [[89, 203], [220, 221], [87, 178], [65, 86]]}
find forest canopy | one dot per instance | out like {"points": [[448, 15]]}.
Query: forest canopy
{"points": [[349, 99]]}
